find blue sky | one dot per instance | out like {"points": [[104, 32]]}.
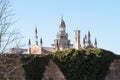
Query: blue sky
{"points": [[101, 17]]}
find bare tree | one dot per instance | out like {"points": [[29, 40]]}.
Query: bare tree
{"points": [[8, 35]]}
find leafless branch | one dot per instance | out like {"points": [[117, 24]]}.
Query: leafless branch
{"points": [[7, 35]]}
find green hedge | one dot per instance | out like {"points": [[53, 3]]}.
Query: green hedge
{"points": [[34, 66], [84, 64]]}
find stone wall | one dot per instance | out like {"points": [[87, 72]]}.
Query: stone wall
{"points": [[11, 67], [52, 72], [114, 71]]}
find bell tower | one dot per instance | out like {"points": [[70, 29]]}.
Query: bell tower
{"points": [[77, 39]]}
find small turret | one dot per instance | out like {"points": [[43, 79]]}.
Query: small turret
{"points": [[41, 42], [29, 42], [84, 42], [89, 34], [29, 46], [85, 37], [36, 36], [89, 40], [95, 43], [36, 30]]}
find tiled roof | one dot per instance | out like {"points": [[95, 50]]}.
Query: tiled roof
{"points": [[47, 50], [41, 50]]}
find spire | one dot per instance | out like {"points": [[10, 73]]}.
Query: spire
{"points": [[61, 18], [36, 30], [89, 33], [41, 42], [89, 41], [95, 43], [85, 37], [84, 42], [29, 46], [29, 42], [36, 36], [62, 26], [62, 21]]}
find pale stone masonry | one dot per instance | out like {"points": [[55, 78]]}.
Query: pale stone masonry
{"points": [[53, 72], [114, 71], [77, 44], [11, 69]]}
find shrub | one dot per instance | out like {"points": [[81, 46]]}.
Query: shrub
{"points": [[34, 66], [84, 64]]}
